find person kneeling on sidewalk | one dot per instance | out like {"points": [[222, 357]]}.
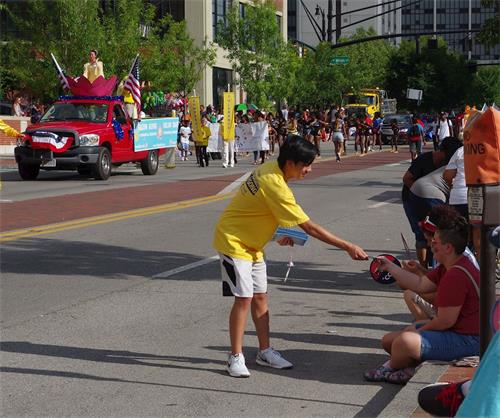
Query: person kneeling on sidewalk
{"points": [[453, 332], [263, 202]]}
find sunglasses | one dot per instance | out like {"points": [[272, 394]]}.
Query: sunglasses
{"points": [[427, 225]]}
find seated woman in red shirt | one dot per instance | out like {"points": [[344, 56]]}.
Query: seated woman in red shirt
{"points": [[454, 332]]}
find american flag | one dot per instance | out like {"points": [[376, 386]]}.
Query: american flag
{"points": [[132, 84], [60, 73]]}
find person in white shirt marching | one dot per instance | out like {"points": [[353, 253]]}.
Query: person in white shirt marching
{"points": [[444, 128], [185, 132]]}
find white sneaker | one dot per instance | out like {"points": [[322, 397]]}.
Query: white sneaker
{"points": [[272, 358], [224, 165], [236, 366], [232, 165]]}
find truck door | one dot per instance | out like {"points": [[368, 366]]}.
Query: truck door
{"points": [[122, 148]]}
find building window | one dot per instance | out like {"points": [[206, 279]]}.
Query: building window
{"points": [[278, 21], [220, 9], [292, 19], [221, 77]]}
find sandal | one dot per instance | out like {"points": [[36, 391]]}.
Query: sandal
{"points": [[401, 376], [379, 374]]}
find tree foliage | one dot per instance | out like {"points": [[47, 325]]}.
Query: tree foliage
{"points": [[320, 83], [442, 74], [70, 28], [490, 32], [256, 50]]}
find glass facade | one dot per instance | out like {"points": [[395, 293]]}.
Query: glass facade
{"points": [[292, 19], [221, 78], [451, 15], [220, 9]]}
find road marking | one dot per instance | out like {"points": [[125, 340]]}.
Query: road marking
{"points": [[6, 201], [96, 220], [393, 164], [235, 184], [187, 267], [377, 205]]}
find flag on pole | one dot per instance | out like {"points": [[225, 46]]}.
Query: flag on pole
{"points": [[60, 73], [132, 84]]}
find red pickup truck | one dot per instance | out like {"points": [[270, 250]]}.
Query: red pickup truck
{"points": [[89, 135]]}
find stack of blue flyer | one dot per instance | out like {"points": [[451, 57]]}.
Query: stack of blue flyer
{"points": [[298, 237]]}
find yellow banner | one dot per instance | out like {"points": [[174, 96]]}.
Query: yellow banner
{"points": [[194, 111], [228, 110]]}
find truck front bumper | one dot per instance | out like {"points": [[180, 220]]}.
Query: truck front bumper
{"points": [[70, 159]]}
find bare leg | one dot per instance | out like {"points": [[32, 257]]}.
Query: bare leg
{"points": [[416, 310], [406, 350], [260, 316], [422, 256], [237, 323]]}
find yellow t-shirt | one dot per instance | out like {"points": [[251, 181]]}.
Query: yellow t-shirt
{"points": [[203, 141], [262, 203]]}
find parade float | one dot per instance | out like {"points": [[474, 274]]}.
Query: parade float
{"points": [[91, 131]]}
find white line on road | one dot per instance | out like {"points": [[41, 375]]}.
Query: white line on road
{"points": [[6, 201], [377, 205], [235, 184], [181, 269]]}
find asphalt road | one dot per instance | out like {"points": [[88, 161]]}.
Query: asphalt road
{"points": [[124, 317]]}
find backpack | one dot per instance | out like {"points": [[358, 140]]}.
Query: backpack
{"points": [[414, 133]]}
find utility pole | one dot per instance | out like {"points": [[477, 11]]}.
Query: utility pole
{"points": [[330, 17], [338, 19]]}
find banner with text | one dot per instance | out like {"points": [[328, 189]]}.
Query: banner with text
{"points": [[228, 111], [252, 136], [215, 140], [194, 111], [155, 133]]}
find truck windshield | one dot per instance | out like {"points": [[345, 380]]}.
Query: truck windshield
{"points": [[88, 112], [365, 100]]}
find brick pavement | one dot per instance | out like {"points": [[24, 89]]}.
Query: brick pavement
{"points": [[43, 211]]}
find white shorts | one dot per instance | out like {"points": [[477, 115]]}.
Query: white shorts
{"points": [[242, 278]]}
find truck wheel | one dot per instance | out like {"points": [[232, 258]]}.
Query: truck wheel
{"points": [[102, 168], [28, 171], [149, 165]]}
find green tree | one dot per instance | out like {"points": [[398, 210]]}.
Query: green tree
{"points": [[489, 35], [441, 74], [321, 84], [177, 63], [485, 87], [255, 48]]}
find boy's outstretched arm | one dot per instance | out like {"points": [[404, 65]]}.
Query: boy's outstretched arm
{"points": [[317, 231]]}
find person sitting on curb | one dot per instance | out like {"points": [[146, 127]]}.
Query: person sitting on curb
{"points": [[422, 305], [454, 332], [263, 202]]}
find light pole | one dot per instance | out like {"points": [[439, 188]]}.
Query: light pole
{"points": [[320, 11]]}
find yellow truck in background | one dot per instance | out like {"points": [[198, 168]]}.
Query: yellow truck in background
{"points": [[369, 101]]}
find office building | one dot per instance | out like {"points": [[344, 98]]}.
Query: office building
{"points": [[448, 15]]}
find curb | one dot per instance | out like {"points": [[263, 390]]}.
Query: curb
{"points": [[405, 402]]}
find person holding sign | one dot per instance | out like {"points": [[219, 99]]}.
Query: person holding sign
{"points": [[263, 202]]}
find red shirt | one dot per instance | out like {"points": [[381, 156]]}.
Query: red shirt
{"points": [[454, 288]]}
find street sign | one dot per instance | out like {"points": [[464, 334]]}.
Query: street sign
{"points": [[339, 61]]}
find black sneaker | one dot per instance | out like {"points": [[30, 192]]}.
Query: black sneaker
{"points": [[441, 399]]}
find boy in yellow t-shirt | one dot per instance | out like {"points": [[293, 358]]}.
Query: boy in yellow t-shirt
{"points": [[263, 203]]}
